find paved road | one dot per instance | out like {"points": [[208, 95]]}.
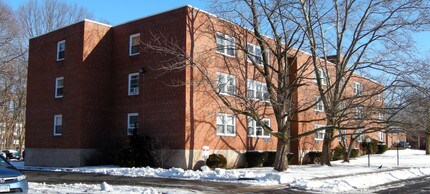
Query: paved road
{"points": [[418, 185], [196, 186]]}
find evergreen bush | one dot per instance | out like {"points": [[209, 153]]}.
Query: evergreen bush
{"points": [[216, 161], [137, 152], [256, 159], [382, 148]]}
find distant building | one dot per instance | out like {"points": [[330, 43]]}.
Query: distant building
{"points": [[90, 85]]}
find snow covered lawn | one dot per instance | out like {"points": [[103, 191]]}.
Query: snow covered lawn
{"points": [[341, 177]]}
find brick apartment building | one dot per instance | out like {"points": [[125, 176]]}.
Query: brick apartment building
{"points": [[90, 84]]}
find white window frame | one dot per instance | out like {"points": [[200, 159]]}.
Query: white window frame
{"points": [[132, 91], [381, 136], [319, 105], [224, 44], [223, 123], [254, 56], [319, 135], [61, 50], [359, 112], [253, 128], [129, 127], [55, 131], [342, 135], [360, 137], [379, 97], [380, 116], [323, 77], [58, 87], [223, 83], [131, 45], [257, 90], [358, 88]]}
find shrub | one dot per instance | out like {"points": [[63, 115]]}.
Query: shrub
{"points": [[216, 161], [270, 161], [137, 153], [338, 152], [314, 158], [271, 156], [373, 146], [382, 148], [355, 153], [256, 159]]}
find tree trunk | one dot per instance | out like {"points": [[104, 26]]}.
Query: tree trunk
{"points": [[347, 153], [419, 140], [281, 160], [326, 150], [428, 143]]}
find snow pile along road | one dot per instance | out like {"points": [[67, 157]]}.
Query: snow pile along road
{"points": [[340, 177]]}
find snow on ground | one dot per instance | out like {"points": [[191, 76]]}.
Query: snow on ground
{"points": [[102, 188], [340, 177]]}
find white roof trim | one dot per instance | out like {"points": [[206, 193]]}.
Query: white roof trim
{"points": [[88, 20], [153, 14], [85, 20]]}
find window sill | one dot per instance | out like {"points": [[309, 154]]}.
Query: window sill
{"points": [[226, 55], [258, 64], [256, 136], [225, 135], [226, 94], [134, 54], [261, 100]]}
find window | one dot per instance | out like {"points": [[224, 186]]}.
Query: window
{"points": [[381, 136], [360, 137], [61, 50], [133, 84], [226, 83], [379, 97], [225, 44], [58, 125], [319, 135], [225, 124], [59, 84], [132, 123], [319, 105], [134, 44], [255, 54], [323, 77], [342, 135], [257, 90], [359, 112], [380, 116], [256, 130], [358, 88]]}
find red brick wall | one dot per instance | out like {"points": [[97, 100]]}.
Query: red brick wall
{"points": [[160, 105], [41, 104], [96, 101]]}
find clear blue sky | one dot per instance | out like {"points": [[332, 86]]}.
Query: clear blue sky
{"points": [[120, 11]]}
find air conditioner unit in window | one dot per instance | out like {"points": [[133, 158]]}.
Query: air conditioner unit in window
{"points": [[134, 90]]}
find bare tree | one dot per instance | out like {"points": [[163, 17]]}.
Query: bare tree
{"points": [[415, 117], [261, 75], [361, 35], [39, 17], [10, 54]]}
